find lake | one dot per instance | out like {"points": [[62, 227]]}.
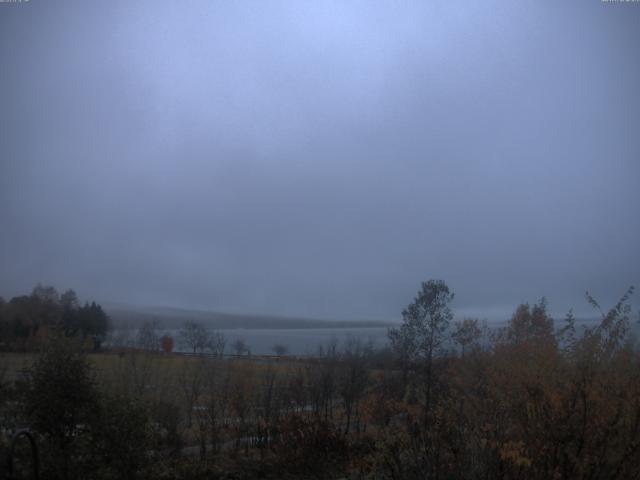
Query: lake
{"points": [[299, 341]]}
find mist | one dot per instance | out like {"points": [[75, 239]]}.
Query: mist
{"points": [[320, 159]]}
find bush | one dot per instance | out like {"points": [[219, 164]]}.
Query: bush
{"points": [[309, 445]]}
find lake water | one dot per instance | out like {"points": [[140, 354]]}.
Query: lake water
{"points": [[299, 341]]}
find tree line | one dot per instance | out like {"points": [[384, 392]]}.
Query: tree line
{"points": [[28, 321], [534, 399]]}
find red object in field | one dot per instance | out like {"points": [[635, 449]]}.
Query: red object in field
{"points": [[166, 343]]}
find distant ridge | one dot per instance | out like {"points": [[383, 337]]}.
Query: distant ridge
{"points": [[170, 317]]}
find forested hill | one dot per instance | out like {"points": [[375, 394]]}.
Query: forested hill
{"points": [[132, 317]]}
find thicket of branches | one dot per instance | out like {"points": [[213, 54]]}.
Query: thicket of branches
{"points": [[535, 399]]}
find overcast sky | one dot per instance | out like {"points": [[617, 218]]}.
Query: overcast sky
{"points": [[320, 158]]}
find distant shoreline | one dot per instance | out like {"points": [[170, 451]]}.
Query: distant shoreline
{"points": [[132, 318]]}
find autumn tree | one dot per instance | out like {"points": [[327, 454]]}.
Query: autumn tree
{"points": [[530, 324], [466, 333], [423, 331], [166, 343]]}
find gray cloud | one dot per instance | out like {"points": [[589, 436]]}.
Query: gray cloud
{"points": [[320, 158]]}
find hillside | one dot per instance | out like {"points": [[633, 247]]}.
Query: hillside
{"points": [[168, 317]]}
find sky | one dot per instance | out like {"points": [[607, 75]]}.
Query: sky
{"points": [[323, 158]]}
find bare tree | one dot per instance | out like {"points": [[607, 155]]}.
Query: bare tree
{"points": [[353, 378], [267, 405], [240, 347], [296, 391], [241, 392], [194, 336], [280, 349], [215, 401], [322, 378], [191, 379], [217, 343], [147, 337]]}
